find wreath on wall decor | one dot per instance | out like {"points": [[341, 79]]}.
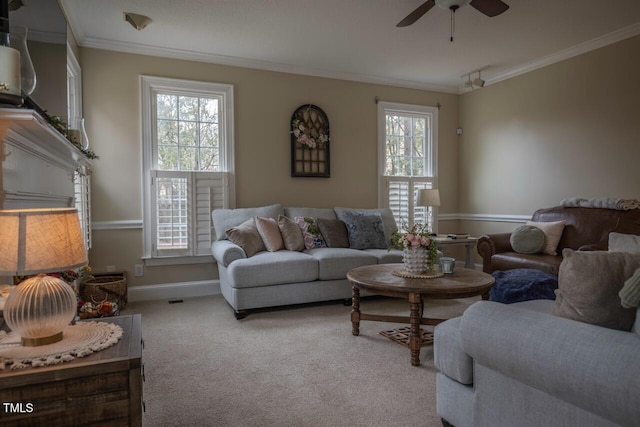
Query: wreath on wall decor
{"points": [[310, 142]]}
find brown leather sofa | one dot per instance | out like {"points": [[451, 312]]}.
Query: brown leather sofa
{"points": [[586, 229]]}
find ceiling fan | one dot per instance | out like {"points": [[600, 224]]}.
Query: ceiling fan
{"points": [[490, 8]]}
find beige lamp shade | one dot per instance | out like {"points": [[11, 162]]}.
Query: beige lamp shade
{"points": [[428, 197], [40, 241]]}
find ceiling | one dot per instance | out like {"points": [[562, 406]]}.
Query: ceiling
{"points": [[358, 39]]}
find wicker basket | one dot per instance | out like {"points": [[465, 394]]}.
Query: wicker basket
{"points": [[109, 288]]}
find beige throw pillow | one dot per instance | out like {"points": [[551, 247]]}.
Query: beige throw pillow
{"points": [[270, 233], [247, 237], [552, 233], [291, 234], [588, 286]]}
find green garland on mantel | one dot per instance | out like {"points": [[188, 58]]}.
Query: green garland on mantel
{"points": [[61, 126]]}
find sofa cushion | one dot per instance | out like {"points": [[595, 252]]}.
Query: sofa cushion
{"points": [[527, 239], [334, 232], [388, 220], [291, 234], [247, 237], [365, 230], [386, 256], [310, 232], [588, 287], [272, 268], [334, 263], [509, 260], [270, 233], [619, 242], [227, 218], [552, 233]]}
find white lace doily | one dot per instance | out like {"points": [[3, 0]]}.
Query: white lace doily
{"points": [[78, 340]]}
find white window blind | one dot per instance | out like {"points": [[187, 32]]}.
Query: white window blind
{"points": [[82, 193]]}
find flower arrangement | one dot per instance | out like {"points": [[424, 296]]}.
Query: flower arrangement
{"points": [[416, 237], [308, 136]]}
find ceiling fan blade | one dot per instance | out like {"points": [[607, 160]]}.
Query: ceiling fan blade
{"points": [[417, 14], [490, 8]]}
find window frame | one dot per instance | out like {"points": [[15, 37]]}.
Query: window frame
{"points": [[429, 180], [149, 87]]}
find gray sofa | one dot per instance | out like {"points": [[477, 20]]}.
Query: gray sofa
{"points": [[519, 365], [284, 277]]}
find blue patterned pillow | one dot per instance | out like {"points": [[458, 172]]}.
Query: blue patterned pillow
{"points": [[366, 230]]}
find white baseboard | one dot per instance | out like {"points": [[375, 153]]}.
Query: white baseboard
{"points": [[168, 291]]}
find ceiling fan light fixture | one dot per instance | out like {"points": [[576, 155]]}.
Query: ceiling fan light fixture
{"points": [[448, 4], [139, 22]]}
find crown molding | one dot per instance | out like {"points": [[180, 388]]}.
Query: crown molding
{"points": [[597, 43], [233, 61], [141, 49]]}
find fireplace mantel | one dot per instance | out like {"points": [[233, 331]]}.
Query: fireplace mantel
{"points": [[38, 163]]}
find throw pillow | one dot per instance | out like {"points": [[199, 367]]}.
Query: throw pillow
{"points": [[270, 233], [527, 239], [552, 234], [630, 292], [619, 242], [291, 234], [388, 220], [365, 230], [589, 284], [334, 232], [310, 232], [227, 218], [247, 237]]}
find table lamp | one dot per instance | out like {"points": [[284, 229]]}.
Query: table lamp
{"points": [[37, 241], [428, 197]]}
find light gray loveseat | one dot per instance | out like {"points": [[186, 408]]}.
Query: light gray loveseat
{"points": [[284, 277], [549, 363]]}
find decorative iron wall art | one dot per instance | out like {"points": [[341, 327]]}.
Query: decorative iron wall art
{"points": [[310, 142]]}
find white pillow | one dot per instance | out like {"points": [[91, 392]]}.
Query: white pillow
{"points": [[552, 233], [619, 242]]}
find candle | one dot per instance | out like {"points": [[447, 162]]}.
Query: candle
{"points": [[9, 71]]}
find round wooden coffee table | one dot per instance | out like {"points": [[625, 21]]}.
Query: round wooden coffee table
{"points": [[379, 280]]}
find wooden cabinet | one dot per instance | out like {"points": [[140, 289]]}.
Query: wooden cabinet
{"points": [[102, 389]]}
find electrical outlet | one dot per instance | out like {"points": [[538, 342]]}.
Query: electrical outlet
{"points": [[139, 270], [111, 268]]}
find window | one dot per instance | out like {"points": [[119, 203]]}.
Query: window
{"points": [[407, 138], [187, 130]]}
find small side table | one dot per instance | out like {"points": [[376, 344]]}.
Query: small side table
{"points": [[469, 242], [104, 388]]}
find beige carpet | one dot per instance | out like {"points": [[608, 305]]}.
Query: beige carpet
{"points": [[298, 366]]}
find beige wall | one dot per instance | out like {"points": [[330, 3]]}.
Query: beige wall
{"points": [[264, 102], [567, 130], [571, 129], [50, 63]]}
